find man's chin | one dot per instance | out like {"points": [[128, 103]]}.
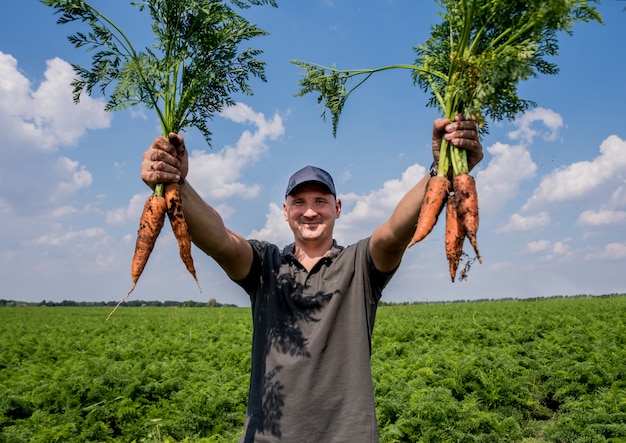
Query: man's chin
{"points": [[311, 234]]}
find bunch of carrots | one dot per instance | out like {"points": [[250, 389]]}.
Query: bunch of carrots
{"points": [[461, 201], [164, 200], [196, 63], [470, 65]]}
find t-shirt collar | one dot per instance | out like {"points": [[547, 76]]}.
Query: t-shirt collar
{"points": [[334, 250]]}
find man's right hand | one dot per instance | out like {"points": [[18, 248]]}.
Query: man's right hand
{"points": [[462, 133], [165, 161]]}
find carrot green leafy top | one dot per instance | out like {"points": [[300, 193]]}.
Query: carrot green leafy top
{"points": [[484, 47], [189, 74], [472, 62]]}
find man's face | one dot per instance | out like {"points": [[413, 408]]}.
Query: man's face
{"points": [[311, 212]]}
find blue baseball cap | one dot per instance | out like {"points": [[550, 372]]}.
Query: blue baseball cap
{"points": [[310, 174]]}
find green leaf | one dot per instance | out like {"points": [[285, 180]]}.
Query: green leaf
{"points": [[472, 62], [196, 64]]}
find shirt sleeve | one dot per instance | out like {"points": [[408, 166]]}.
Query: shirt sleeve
{"points": [[251, 281], [379, 280]]}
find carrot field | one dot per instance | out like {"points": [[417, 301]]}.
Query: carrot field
{"points": [[549, 370]]}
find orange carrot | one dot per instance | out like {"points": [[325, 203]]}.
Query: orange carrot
{"points": [[434, 199], [179, 226], [455, 236], [150, 224], [466, 199]]}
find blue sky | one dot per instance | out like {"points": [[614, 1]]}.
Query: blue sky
{"points": [[552, 186]]}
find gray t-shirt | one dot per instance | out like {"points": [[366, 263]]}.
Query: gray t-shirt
{"points": [[311, 378]]}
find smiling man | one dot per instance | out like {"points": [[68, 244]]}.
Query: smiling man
{"points": [[313, 302], [311, 208]]}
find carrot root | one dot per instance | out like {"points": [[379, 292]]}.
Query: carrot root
{"points": [[455, 236], [121, 301], [150, 225], [179, 227], [434, 200], [466, 199]]}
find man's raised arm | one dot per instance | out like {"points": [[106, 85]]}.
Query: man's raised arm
{"points": [[390, 239]]}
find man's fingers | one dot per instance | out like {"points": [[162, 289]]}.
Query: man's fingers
{"points": [[156, 167], [164, 145], [469, 134], [462, 143], [178, 142], [152, 177]]}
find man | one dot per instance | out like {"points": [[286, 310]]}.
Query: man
{"points": [[313, 302]]}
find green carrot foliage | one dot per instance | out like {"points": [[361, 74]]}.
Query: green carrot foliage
{"points": [[195, 65], [472, 62], [485, 47], [525, 371]]}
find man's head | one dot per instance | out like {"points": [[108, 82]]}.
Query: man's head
{"points": [[311, 206], [310, 174]]}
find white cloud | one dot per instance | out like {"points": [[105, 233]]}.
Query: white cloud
{"points": [[276, 230], [374, 208], [500, 181], [14, 87], [618, 197], [216, 175], [45, 118], [59, 251], [526, 133], [346, 176], [35, 122], [57, 115], [72, 177], [612, 251], [519, 222], [119, 216], [602, 217], [580, 179], [549, 250], [63, 238], [538, 246], [560, 248]]}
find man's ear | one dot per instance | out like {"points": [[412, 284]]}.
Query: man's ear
{"points": [[338, 207]]}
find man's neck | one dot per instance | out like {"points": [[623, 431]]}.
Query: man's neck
{"points": [[309, 254]]}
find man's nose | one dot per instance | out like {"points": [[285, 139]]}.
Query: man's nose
{"points": [[310, 212]]}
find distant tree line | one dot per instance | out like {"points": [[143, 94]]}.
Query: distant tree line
{"points": [[482, 300], [212, 303]]}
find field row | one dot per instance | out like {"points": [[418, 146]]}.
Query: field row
{"points": [[525, 371]]}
